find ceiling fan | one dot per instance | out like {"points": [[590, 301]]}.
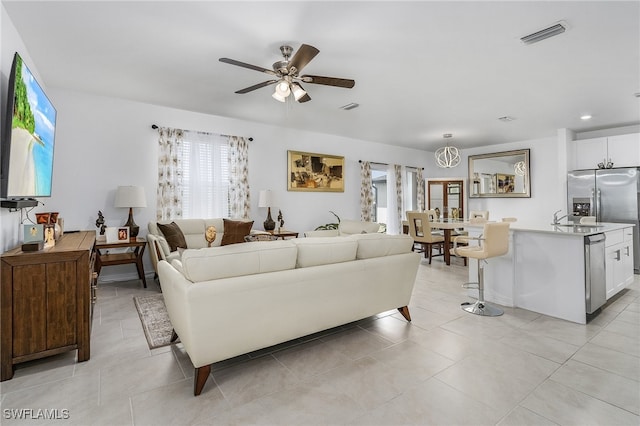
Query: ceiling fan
{"points": [[287, 74]]}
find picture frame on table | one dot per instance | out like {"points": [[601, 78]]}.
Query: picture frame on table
{"points": [[313, 172], [117, 234]]}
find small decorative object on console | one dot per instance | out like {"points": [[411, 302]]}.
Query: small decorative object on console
{"points": [[210, 235], [100, 223], [280, 220]]}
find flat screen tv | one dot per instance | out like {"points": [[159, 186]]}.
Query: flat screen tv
{"points": [[28, 137]]}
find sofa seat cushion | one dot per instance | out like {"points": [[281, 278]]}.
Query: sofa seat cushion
{"points": [[238, 259], [379, 245], [324, 250]]}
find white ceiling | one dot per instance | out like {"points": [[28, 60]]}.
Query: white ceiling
{"points": [[422, 68]]}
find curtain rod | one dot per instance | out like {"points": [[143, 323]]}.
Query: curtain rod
{"points": [[386, 164], [155, 127]]}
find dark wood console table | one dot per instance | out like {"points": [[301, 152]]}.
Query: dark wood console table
{"points": [[46, 301], [109, 259]]}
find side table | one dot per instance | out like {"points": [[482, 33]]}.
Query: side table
{"points": [[282, 234], [135, 256]]}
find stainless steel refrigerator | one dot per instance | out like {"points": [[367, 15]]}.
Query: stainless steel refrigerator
{"points": [[611, 195]]}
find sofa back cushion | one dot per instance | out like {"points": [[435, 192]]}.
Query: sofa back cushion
{"points": [[378, 245], [324, 250], [238, 259], [350, 227]]}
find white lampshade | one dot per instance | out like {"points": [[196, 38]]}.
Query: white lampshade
{"points": [[130, 196], [282, 88], [298, 91], [265, 199]]}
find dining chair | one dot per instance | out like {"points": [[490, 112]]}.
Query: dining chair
{"points": [[484, 214], [421, 232]]}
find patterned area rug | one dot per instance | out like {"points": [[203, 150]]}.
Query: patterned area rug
{"points": [[155, 320]]}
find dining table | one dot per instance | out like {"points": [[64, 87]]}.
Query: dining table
{"points": [[448, 226]]}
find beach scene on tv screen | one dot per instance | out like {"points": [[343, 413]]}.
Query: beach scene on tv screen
{"points": [[32, 138]]}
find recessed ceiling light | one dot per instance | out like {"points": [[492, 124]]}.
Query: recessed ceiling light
{"points": [[637, 94], [447, 135], [506, 118], [585, 117]]}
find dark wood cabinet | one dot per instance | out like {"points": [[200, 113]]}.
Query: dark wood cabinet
{"points": [[47, 301]]}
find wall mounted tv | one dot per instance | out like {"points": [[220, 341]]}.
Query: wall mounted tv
{"points": [[28, 139]]}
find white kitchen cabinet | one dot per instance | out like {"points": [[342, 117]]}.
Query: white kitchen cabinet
{"points": [[618, 260], [622, 150]]}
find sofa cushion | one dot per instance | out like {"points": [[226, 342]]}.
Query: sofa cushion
{"points": [[238, 259], [350, 227], [235, 231], [173, 234], [378, 245], [324, 250], [322, 233]]}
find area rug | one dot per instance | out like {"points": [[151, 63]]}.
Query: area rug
{"points": [[155, 320]]}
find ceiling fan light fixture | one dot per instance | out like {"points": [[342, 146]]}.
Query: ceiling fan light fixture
{"points": [[278, 97], [282, 88], [298, 91]]}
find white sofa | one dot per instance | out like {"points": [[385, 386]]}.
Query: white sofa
{"points": [[231, 300], [193, 230], [346, 227]]}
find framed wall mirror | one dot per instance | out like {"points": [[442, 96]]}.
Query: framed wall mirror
{"points": [[500, 175]]}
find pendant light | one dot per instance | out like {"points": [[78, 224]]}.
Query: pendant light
{"points": [[447, 157]]}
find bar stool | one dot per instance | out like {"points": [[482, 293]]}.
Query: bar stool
{"points": [[493, 242]]}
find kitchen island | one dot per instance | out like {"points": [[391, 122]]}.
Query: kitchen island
{"points": [[544, 270]]}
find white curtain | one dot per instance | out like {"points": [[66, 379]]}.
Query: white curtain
{"points": [[239, 199], [169, 191], [366, 192]]}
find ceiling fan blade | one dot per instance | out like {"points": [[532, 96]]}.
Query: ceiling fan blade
{"points": [[305, 98], [302, 57], [245, 65], [256, 86], [328, 81]]}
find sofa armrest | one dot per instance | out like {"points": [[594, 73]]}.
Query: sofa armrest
{"points": [[155, 251]]}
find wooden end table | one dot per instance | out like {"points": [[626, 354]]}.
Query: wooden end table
{"points": [[282, 234], [135, 256]]}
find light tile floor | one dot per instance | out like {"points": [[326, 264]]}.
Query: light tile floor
{"points": [[447, 367]]}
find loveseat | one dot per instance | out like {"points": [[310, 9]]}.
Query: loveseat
{"points": [[194, 234], [231, 300]]}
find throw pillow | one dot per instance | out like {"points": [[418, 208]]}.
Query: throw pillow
{"points": [[235, 231], [174, 235]]}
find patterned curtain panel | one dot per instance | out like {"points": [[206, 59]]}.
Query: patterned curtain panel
{"points": [[395, 209], [420, 189], [239, 199], [366, 192], [169, 193]]}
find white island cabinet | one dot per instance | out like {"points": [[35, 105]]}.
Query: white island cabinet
{"points": [[544, 271]]}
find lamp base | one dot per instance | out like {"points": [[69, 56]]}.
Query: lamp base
{"points": [[133, 228], [269, 224]]}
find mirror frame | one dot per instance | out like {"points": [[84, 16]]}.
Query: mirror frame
{"points": [[527, 175]]}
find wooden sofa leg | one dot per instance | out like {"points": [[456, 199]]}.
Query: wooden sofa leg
{"points": [[405, 313], [200, 378], [174, 336]]}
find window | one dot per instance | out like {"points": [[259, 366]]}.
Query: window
{"points": [[205, 191]]}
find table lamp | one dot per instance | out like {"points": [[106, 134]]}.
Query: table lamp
{"points": [[265, 200], [131, 197]]}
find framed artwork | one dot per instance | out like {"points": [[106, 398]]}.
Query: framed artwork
{"points": [[117, 234], [307, 171], [505, 183], [33, 233]]}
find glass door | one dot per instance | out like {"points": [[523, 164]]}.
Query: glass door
{"points": [[446, 197]]}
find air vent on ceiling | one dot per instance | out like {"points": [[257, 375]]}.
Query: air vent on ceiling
{"points": [[349, 106], [545, 33], [506, 119]]}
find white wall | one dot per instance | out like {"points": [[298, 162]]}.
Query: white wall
{"points": [[104, 142], [548, 180]]}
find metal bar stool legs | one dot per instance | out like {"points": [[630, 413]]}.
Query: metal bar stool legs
{"points": [[480, 307]]}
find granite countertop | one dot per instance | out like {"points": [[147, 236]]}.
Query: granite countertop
{"points": [[569, 228]]}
